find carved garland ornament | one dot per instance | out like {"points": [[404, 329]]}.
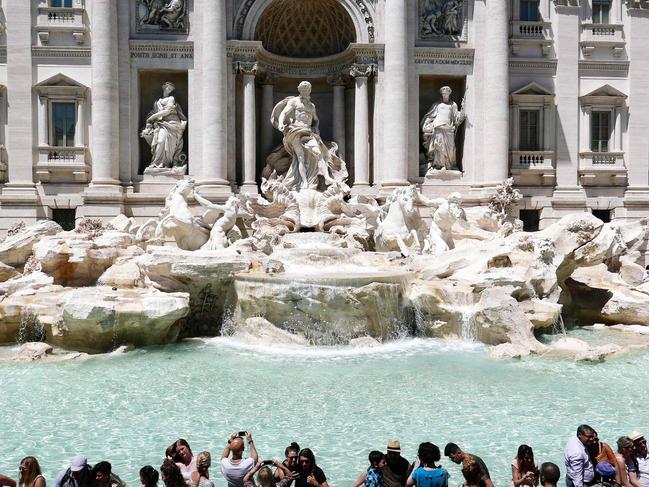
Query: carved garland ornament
{"points": [[247, 5]]}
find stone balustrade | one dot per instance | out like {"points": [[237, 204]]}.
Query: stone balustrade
{"points": [[537, 34], [61, 20], [532, 168], [602, 169], [608, 36]]}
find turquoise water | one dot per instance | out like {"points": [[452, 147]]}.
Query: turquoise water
{"points": [[342, 403]]}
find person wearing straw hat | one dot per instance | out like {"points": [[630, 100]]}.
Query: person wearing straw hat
{"points": [[396, 470], [639, 470]]}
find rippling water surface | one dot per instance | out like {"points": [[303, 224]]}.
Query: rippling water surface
{"points": [[342, 403]]}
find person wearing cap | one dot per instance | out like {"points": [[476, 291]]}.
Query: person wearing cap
{"points": [[580, 470], [396, 470], [639, 470], [78, 474]]}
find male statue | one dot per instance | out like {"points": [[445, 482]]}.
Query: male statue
{"points": [[296, 117], [439, 128]]}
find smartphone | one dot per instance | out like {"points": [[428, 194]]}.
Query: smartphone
{"points": [[242, 434], [267, 462]]}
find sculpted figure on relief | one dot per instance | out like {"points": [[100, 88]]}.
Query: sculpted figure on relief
{"points": [[165, 126], [439, 128]]}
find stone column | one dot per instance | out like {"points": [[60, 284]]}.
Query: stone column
{"points": [[213, 170], [338, 83], [249, 71], [395, 95], [568, 196], [361, 73], [20, 143], [636, 198], [43, 126], [267, 105], [105, 95], [496, 93]]}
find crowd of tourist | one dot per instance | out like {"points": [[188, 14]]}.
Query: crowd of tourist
{"points": [[588, 462]]}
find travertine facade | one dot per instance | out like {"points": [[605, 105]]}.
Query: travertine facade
{"points": [[556, 95]]}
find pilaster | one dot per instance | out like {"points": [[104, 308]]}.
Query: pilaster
{"points": [[361, 73], [249, 71]]}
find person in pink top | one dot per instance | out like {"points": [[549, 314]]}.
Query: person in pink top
{"points": [[181, 453]]}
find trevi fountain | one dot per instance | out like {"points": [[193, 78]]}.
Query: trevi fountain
{"points": [[310, 313]]}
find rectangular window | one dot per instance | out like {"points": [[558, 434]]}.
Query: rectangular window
{"points": [[529, 10], [61, 3], [600, 131], [601, 9], [604, 215], [63, 122], [531, 220], [529, 130]]}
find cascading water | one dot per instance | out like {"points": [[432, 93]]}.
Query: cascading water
{"points": [[30, 329]]}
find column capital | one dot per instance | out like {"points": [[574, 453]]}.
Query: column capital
{"points": [[246, 68], [358, 70], [268, 78]]}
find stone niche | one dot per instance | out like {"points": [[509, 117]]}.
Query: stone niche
{"points": [[428, 94], [151, 82]]}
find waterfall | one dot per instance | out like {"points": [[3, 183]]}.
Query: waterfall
{"points": [[559, 328], [30, 328]]}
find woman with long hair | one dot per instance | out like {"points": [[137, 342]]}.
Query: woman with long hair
{"points": [[310, 475], [171, 475], [472, 474], [30, 473], [265, 477], [524, 470], [181, 453], [625, 456]]}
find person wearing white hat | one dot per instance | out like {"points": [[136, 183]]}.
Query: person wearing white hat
{"points": [[639, 470], [396, 470], [78, 474]]}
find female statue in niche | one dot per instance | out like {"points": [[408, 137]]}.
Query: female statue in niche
{"points": [[165, 126], [439, 128]]}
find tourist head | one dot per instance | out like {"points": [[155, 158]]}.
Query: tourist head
{"points": [[428, 454], [550, 473], [304, 88], [180, 452], [168, 88], [446, 92], [586, 434], [291, 453], [625, 447], [29, 469], [149, 476], [454, 452], [203, 462], [171, 475], [265, 477], [377, 459], [525, 455], [78, 466], [471, 472], [101, 473], [306, 460], [639, 443], [237, 446], [394, 451]]}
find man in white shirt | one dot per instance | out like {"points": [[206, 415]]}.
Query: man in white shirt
{"points": [[233, 466], [579, 465], [639, 472]]}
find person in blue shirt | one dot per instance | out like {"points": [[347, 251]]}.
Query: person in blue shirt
{"points": [[425, 473], [373, 476]]}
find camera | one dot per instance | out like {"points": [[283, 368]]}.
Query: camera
{"points": [[267, 462], [242, 434]]}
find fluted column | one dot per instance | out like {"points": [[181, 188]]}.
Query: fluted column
{"points": [[214, 170], [249, 71], [105, 94], [361, 73], [395, 95], [496, 93], [267, 105], [338, 84]]}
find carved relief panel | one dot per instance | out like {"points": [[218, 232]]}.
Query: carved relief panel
{"points": [[162, 16], [442, 19]]}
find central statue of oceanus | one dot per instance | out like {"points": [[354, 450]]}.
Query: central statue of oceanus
{"points": [[304, 161]]}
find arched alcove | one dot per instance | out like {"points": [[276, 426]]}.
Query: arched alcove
{"points": [[305, 28]]}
